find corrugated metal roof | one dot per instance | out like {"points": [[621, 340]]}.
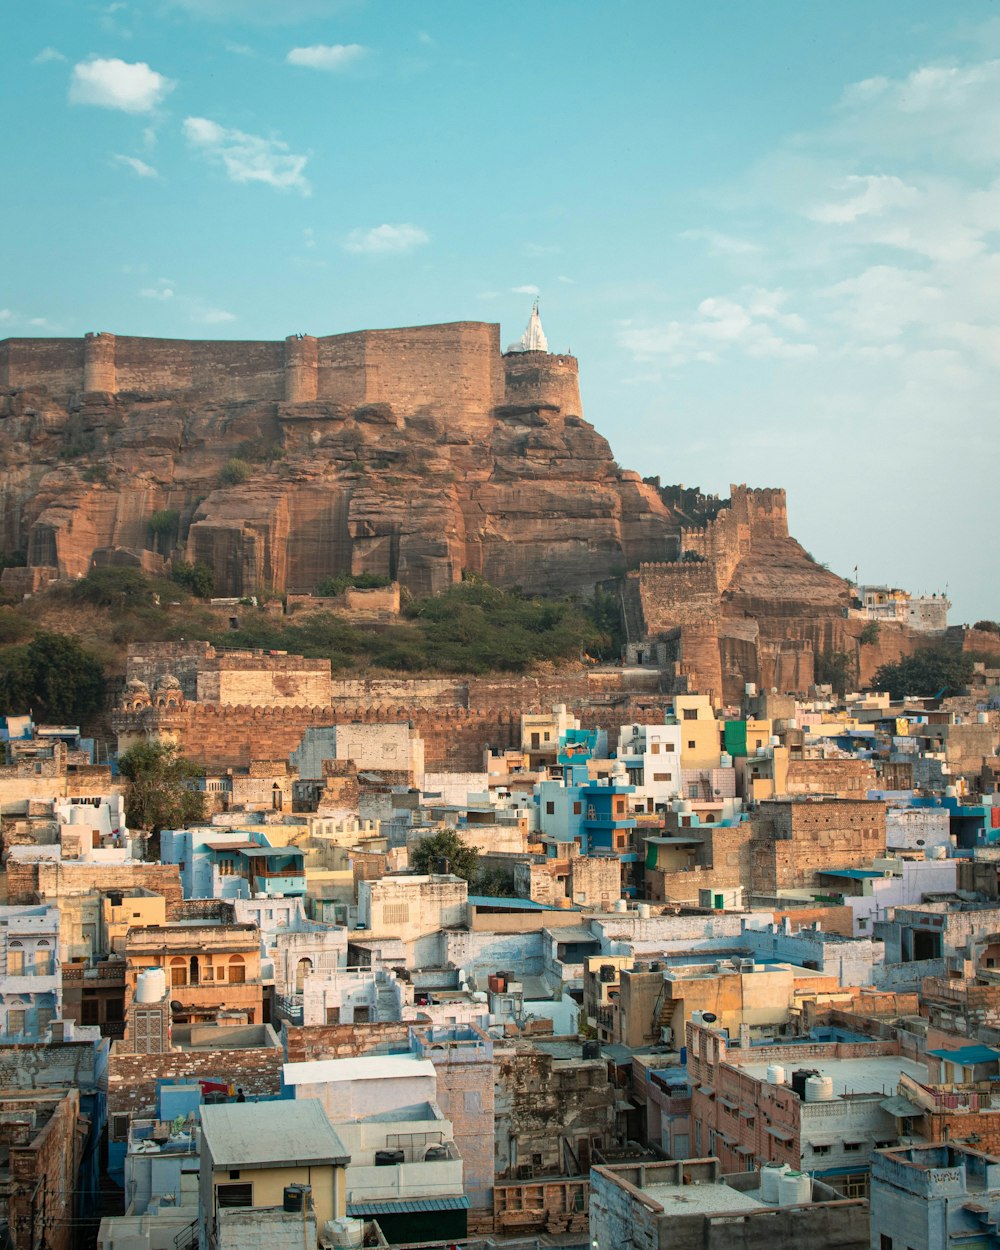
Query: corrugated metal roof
{"points": [[408, 1207], [968, 1054]]}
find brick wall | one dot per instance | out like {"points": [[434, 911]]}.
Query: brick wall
{"points": [[36, 882], [132, 1078], [341, 1041]]}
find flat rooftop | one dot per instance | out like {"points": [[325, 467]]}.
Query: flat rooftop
{"points": [[877, 1074], [705, 1199], [285, 1134]]}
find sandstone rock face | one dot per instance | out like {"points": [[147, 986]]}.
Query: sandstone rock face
{"points": [[417, 454], [413, 453]]}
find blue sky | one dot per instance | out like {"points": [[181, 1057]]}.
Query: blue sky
{"points": [[769, 231]]}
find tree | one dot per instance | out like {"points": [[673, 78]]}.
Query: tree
{"points": [[158, 794], [925, 673], [987, 627], [446, 845], [117, 587], [198, 578], [165, 524], [833, 668], [54, 678], [870, 634]]}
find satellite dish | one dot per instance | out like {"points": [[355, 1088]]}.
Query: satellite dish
{"points": [[709, 1017]]}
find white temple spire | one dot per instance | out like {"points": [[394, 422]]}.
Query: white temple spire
{"points": [[533, 339]]}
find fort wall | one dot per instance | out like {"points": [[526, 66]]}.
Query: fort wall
{"points": [[539, 379]]}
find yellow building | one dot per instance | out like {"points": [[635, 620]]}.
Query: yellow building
{"points": [[701, 742], [251, 1153], [122, 910]]}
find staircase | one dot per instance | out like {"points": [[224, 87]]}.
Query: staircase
{"points": [[385, 1005], [663, 1015]]}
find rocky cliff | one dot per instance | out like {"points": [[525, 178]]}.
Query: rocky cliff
{"points": [[417, 454]]}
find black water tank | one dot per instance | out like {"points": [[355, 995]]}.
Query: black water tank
{"points": [[295, 1197], [799, 1078], [591, 1050], [388, 1158]]}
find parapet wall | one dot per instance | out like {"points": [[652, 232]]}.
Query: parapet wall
{"points": [[455, 368]]}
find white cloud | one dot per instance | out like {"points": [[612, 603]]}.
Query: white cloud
{"points": [[425, 39], [9, 317], [753, 325], [871, 194], [211, 316], [721, 244], [569, 281], [332, 56], [263, 12], [386, 239], [46, 55], [114, 84], [163, 290], [246, 157], [529, 288], [137, 166]]}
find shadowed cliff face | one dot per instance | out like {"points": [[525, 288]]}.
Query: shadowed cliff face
{"points": [[529, 496]]}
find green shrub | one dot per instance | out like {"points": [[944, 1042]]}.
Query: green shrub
{"points": [[235, 473], [198, 578]]}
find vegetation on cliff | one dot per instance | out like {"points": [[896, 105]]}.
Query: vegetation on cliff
{"points": [[928, 672], [52, 677]]}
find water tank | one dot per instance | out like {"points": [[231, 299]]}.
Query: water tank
{"points": [[819, 1089], [295, 1197], [750, 688], [775, 1074], [775, 740], [480, 996], [791, 724], [683, 806], [770, 1177], [937, 852], [982, 718], [388, 1158], [591, 1049], [799, 1078], [951, 792], [725, 760], [434, 1154], [620, 905], [345, 1233], [150, 985], [794, 1188], [643, 910]]}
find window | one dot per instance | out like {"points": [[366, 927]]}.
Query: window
{"points": [[577, 809], [15, 959], [692, 744], [234, 1176], [114, 1010], [89, 1012], [662, 777], [654, 748], [885, 1243], [821, 1150], [237, 971], [234, 1195], [15, 1020], [45, 1017], [852, 1146], [550, 809], [119, 1126], [178, 971], [690, 713]]}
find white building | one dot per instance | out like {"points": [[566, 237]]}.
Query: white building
{"points": [[652, 757], [31, 984]]}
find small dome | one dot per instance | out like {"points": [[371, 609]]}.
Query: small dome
{"points": [[135, 686], [168, 682]]}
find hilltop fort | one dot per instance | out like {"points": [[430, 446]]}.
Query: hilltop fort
{"points": [[418, 454]]}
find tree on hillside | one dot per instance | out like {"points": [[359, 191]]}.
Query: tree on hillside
{"points": [[925, 673], [159, 794], [462, 859], [54, 678]]}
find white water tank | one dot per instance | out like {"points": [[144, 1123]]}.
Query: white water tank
{"points": [[770, 1178], [725, 760], [794, 1188], [775, 1074], [819, 1089], [775, 740], [643, 910], [621, 905], [982, 718], [791, 724], [750, 688], [344, 1233], [951, 792], [937, 852], [683, 806], [150, 986]]}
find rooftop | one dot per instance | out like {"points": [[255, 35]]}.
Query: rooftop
{"points": [[705, 1199], [365, 1068], [875, 1074], [279, 1134]]}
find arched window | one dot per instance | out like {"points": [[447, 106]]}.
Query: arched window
{"points": [[43, 959], [302, 970], [237, 969], [178, 971], [194, 970], [15, 958]]}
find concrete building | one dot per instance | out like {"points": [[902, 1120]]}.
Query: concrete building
{"points": [[376, 747], [933, 1197], [754, 1105], [652, 757], [41, 1145], [252, 1154], [31, 986], [213, 970], [693, 1205]]}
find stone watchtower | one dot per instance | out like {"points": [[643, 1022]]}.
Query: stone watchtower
{"points": [[536, 378]]}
